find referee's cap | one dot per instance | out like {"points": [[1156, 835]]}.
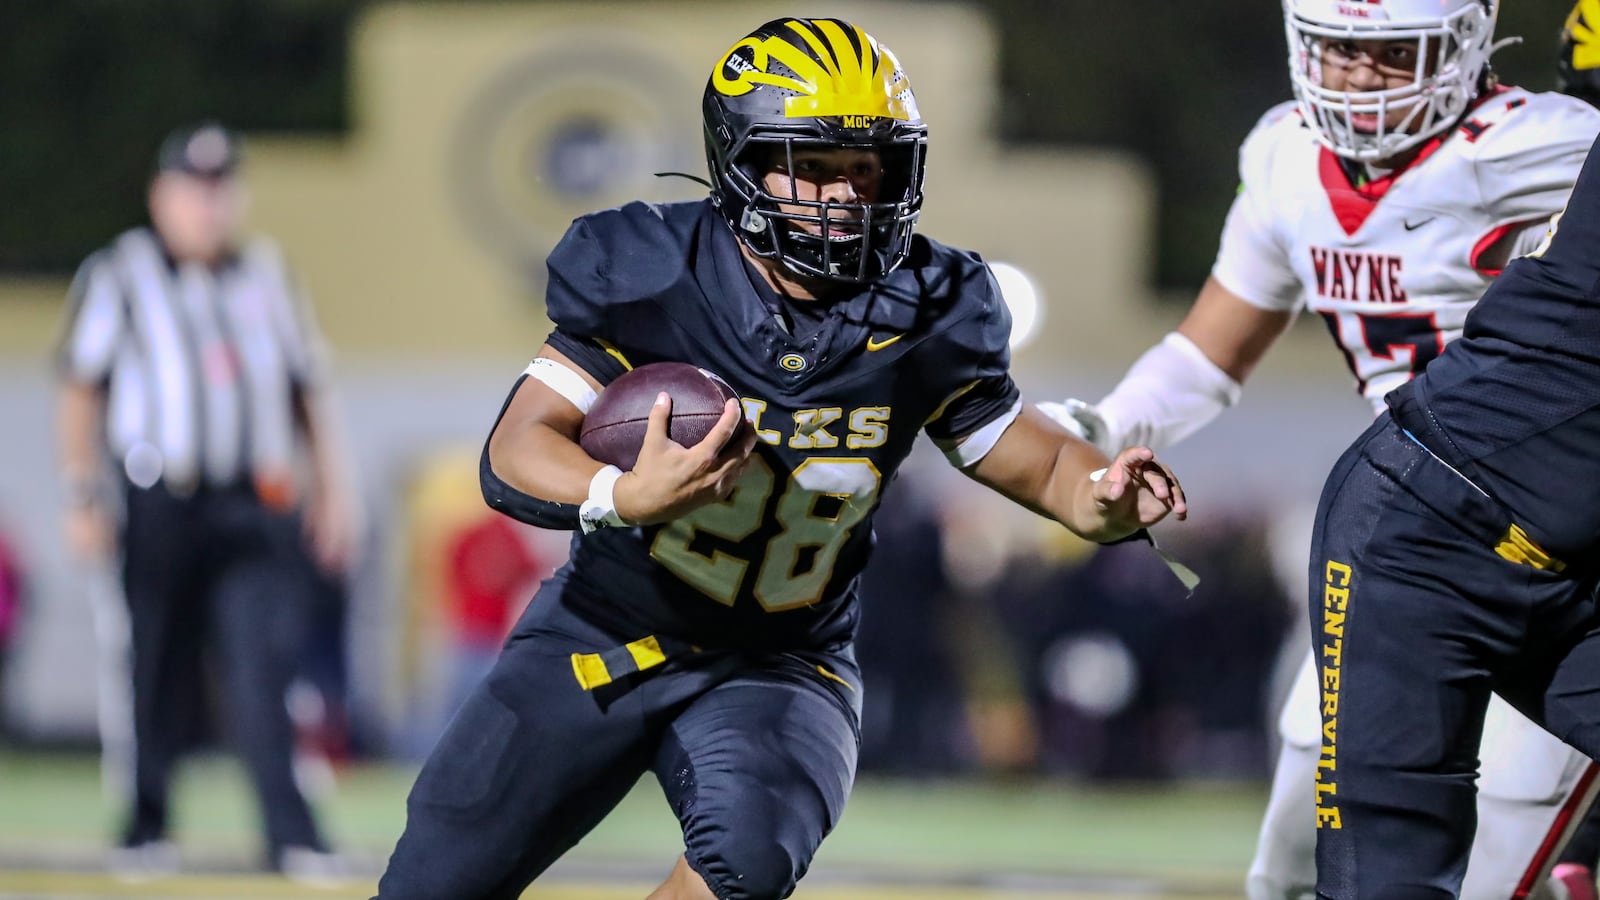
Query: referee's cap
{"points": [[204, 149]]}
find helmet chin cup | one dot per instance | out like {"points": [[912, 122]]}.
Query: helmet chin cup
{"points": [[753, 222]]}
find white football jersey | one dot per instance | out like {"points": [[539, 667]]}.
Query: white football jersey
{"points": [[1394, 265]]}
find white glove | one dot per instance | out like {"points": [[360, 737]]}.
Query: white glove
{"points": [[1083, 420]]}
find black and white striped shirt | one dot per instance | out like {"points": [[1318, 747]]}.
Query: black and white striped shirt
{"points": [[200, 363]]}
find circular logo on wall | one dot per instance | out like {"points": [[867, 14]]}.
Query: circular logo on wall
{"points": [[581, 125]]}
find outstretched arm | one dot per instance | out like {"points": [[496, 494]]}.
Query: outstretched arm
{"points": [[1233, 334], [1183, 382], [1041, 466]]}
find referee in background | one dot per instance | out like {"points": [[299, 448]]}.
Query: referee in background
{"points": [[201, 463]]}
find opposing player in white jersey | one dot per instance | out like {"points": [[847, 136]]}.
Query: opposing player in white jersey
{"points": [[1384, 199]]}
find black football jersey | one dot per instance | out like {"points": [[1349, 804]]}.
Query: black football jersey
{"points": [[837, 399], [1515, 402]]}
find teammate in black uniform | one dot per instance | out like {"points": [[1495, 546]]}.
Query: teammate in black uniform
{"points": [[703, 628], [1455, 553], [1578, 75]]}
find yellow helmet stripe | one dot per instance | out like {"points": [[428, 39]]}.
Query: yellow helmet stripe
{"points": [[845, 52], [860, 89], [810, 37], [871, 59], [814, 76]]}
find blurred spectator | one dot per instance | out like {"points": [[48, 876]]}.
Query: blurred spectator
{"points": [[912, 721], [1219, 651], [1132, 679], [470, 573], [191, 371], [491, 571], [318, 694], [10, 617]]}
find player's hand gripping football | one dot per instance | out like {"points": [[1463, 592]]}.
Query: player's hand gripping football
{"points": [[671, 480], [1136, 490]]}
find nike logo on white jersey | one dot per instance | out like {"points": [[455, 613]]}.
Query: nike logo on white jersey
{"points": [[1413, 226]]}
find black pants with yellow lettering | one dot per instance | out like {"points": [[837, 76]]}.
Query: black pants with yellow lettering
{"points": [[1424, 599]]}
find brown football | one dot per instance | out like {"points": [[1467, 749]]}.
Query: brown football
{"points": [[613, 431]]}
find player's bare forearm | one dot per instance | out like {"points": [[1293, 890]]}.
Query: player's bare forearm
{"points": [[1233, 333], [1039, 465], [535, 447]]}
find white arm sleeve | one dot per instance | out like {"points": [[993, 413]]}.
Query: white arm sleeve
{"points": [[1169, 393]]}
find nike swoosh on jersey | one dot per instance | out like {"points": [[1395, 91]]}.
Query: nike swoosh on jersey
{"points": [[874, 346], [1410, 226]]}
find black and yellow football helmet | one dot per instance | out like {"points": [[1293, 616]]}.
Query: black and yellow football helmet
{"points": [[815, 82]]}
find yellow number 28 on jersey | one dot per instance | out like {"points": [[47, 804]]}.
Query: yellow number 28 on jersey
{"points": [[825, 499]]}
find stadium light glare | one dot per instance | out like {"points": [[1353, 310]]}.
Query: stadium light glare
{"points": [[1022, 295]]}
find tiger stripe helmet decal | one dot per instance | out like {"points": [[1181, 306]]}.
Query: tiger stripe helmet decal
{"points": [[834, 69]]}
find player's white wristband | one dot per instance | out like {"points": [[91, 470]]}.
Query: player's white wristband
{"points": [[600, 509]]}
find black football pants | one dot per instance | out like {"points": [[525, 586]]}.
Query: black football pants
{"points": [[215, 576], [1424, 599], [755, 752]]}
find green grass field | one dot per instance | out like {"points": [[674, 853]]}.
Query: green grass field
{"points": [[936, 839]]}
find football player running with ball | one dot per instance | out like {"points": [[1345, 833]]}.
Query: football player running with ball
{"points": [[1385, 198], [703, 628]]}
